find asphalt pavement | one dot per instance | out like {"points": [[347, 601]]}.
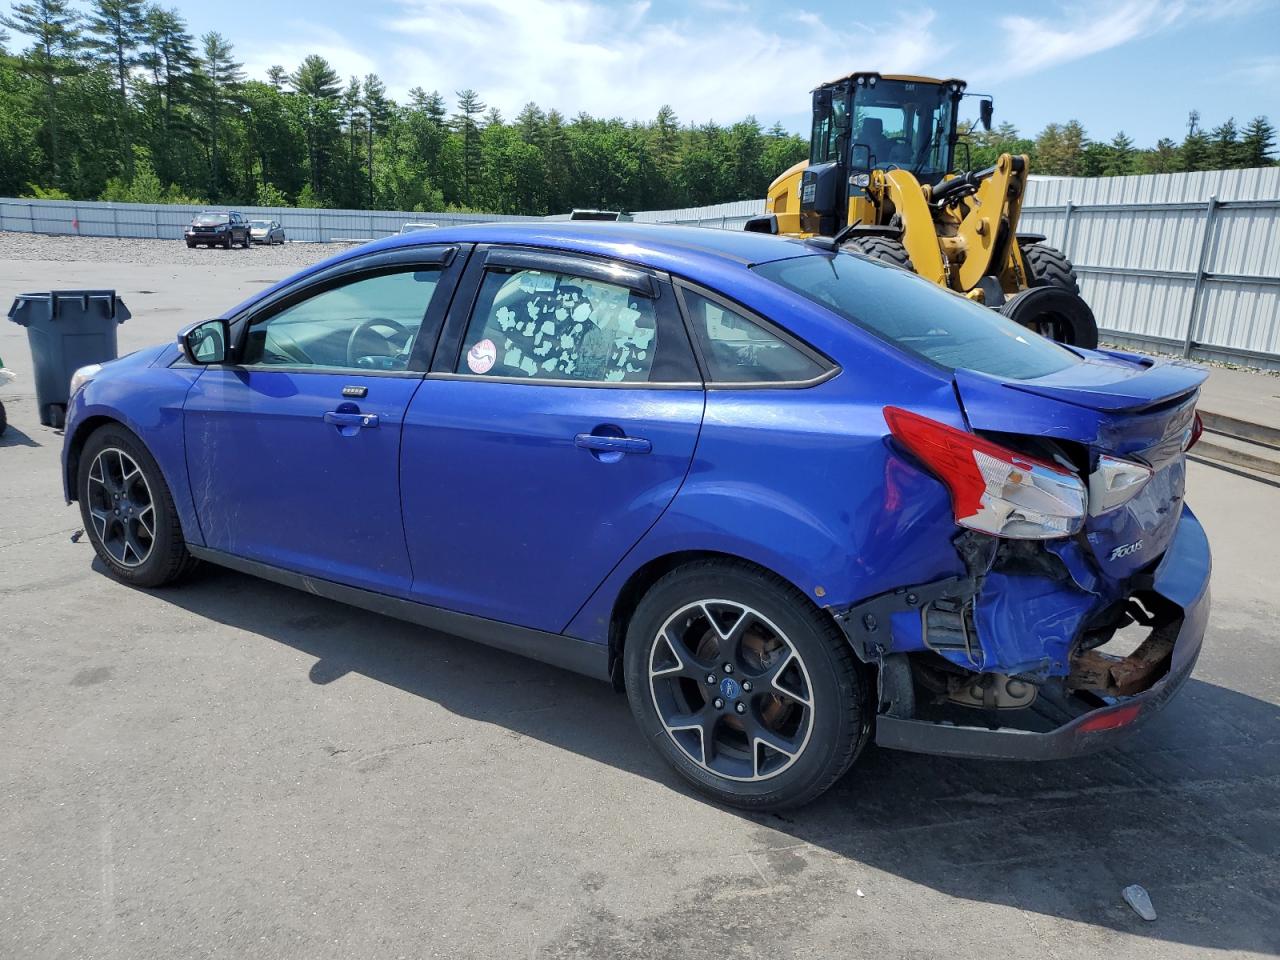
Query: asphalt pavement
{"points": [[230, 768]]}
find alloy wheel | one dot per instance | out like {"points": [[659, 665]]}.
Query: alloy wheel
{"points": [[731, 690], [121, 507]]}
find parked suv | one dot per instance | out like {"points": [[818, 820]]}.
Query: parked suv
{"points": [[217, 228]]}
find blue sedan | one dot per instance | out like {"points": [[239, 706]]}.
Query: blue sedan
{"points": [[789, 500]]}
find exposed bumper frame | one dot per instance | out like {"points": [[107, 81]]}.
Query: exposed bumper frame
{"points": [[1182, 578]]}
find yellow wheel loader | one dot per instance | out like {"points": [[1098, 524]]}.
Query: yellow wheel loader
{"points": [[881, 180]]}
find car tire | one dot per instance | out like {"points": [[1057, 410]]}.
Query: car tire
{"points": [[794, 683], [127, 510]]}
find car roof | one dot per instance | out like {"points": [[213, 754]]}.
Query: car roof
{"points": [[662, 246], [718, 258]]}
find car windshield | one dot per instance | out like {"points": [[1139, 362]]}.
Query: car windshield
{"points": [[209, 219], [263, 224], [920, 316]]}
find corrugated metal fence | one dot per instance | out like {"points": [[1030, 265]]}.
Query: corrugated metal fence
{"points": [[1183, 262], [1188, 263], [160, 221]]}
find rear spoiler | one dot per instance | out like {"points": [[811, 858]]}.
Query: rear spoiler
{"points": [[1159, 383]]}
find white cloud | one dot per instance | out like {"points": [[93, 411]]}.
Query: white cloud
{"points": [[624, 60], [1081, 30]]}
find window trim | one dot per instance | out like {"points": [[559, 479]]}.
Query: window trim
{"points": [[637, 281], [589, 266], [830, 367], [439, 256]]}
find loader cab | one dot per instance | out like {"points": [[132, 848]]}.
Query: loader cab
{"points": [[867, 121]]}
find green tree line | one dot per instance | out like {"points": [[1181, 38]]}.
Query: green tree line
{"points": [[117, 100], [1066, 150]]}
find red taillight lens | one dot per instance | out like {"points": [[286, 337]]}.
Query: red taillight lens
{"points": [[1197, 429], [993, 489], [1112, 719]]}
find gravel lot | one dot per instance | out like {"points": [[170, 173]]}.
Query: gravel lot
{"points": [[284, 257], [234, 769]]}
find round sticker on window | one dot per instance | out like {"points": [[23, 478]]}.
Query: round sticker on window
{"points": [[482, 357]]}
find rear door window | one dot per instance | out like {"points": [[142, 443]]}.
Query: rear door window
{"points": [[919, 316], [738, 349], [534, 324]]}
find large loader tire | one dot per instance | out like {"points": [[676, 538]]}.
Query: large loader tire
{"points": [[1048, 267], [1056, 313], [887, 249]]}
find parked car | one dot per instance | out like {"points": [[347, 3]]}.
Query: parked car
{"points": [[789, 499], [266, 231], [217, 228], [415, 227]]}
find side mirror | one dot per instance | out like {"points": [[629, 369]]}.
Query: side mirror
{"points": [[765, 224], [206, 342], [985, 109], [822, 102], [860, 158]]}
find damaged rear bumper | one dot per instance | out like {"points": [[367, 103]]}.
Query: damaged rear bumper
{"points": [[1182, 578]]}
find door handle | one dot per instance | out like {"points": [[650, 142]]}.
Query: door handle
{"points": [[342, 419], [607, 444]]}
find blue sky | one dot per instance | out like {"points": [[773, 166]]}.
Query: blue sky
{"points": [[1132, 65]]}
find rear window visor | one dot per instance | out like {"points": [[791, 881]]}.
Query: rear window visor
{"points": [[919, 316]]}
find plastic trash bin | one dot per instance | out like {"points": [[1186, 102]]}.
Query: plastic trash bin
{"points": [[66, 329]]}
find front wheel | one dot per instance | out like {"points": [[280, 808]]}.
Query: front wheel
{"points": [[127, 510], [744, 686]]}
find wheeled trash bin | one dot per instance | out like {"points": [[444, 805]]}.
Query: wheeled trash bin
{"points": [[67, 329]]}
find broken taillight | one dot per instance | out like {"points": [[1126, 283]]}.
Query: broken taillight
{"points": [[1194, 432], [993, 489], [1114, 483]]}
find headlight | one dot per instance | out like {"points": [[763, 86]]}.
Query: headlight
{"points": [[83, 376]]}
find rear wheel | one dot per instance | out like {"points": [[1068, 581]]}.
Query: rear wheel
{"points": [[745, 687], [885, 249], [1048, 267], [127, 510]]}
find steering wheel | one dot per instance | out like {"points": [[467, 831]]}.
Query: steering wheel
{"points": [[364, 327]]}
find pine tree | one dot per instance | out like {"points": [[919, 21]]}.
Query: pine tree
{"points": [[116, 30], [318, 89], [170, 56], [55, 25], [1163, 158], [470, 107], [277, 77], [1121, 156], [1224, 146], [1195, 151], [219, 76], [377, 110], [1258, 143]]}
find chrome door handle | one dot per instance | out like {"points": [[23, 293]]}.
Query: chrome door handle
{"points": [[607, 444]]}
